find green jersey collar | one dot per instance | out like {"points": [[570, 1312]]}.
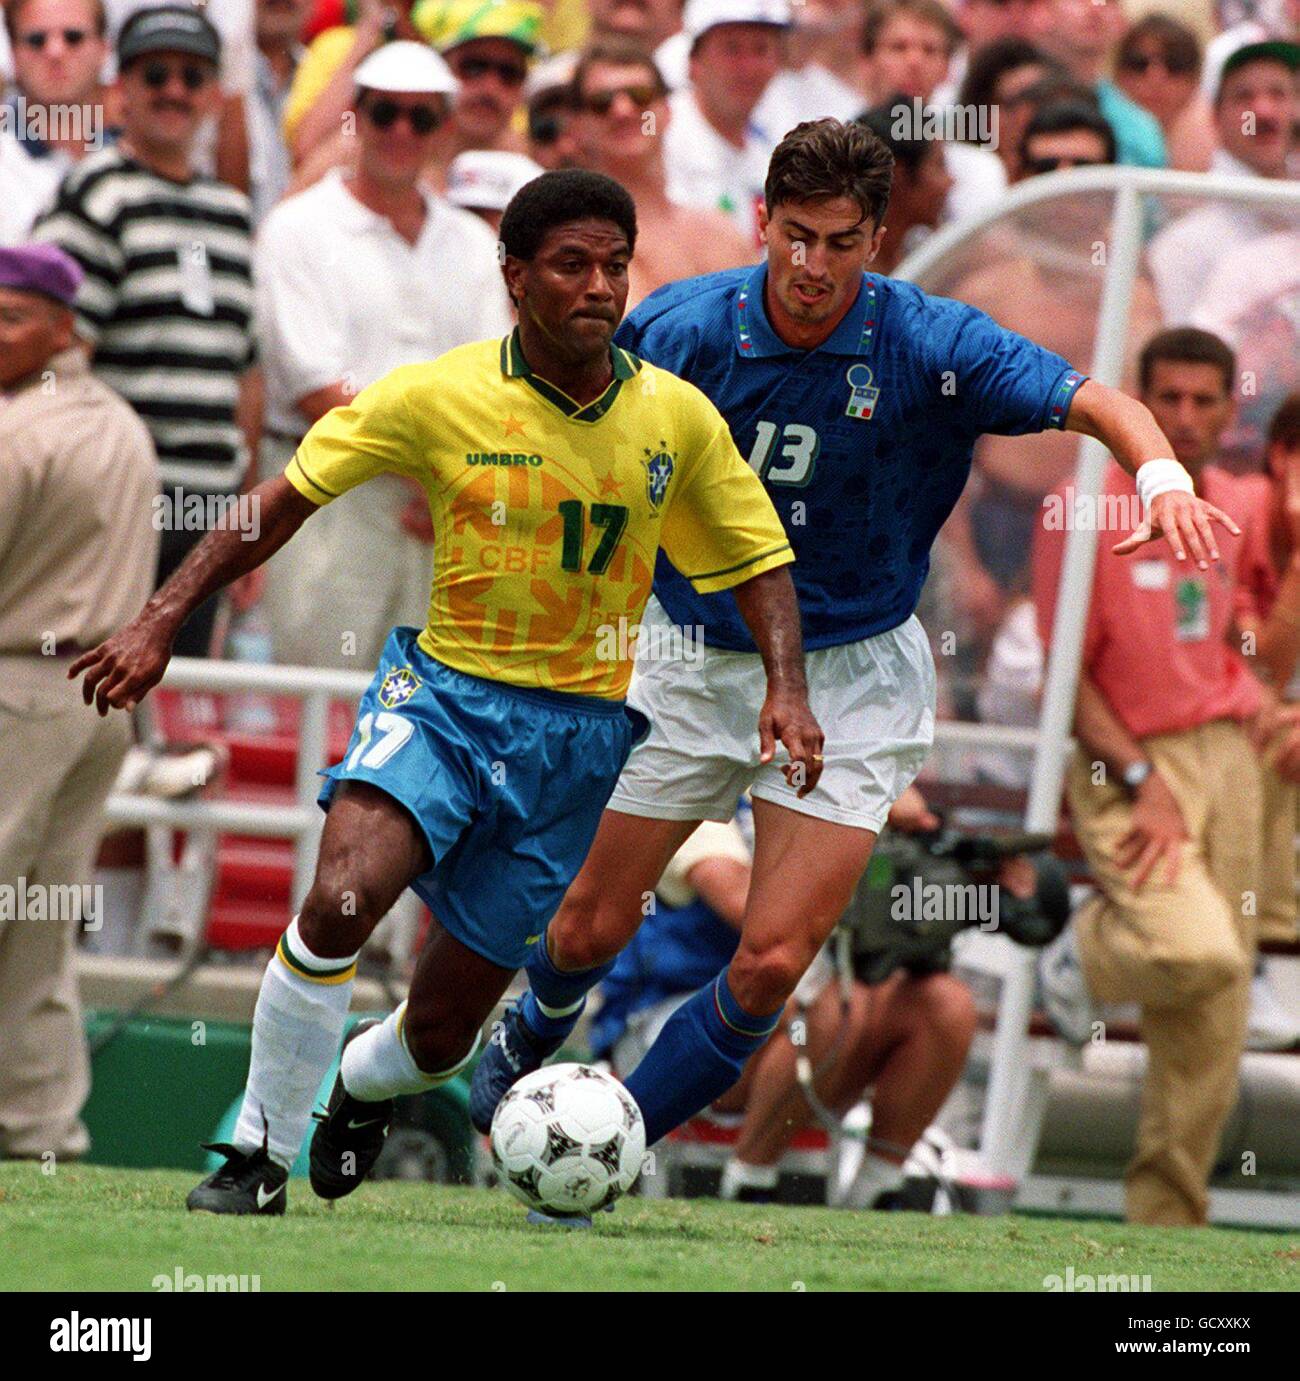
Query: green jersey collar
{"points": [[515, 366]]}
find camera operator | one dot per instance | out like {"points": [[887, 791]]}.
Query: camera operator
{"points": [[899, 1021]]}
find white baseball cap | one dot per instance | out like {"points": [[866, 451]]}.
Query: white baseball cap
{"points": [[487, 179], [406, 66], [702, 15]]}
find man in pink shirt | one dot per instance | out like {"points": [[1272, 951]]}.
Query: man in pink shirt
{"points": [[1165, 788], [1268, 618]]}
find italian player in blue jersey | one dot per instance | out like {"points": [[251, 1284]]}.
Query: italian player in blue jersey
{"points": [[858, 400]]}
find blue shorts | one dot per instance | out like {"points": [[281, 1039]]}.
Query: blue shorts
{"points": [[507, 784]]}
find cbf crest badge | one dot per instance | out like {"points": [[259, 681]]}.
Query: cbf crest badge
{"points": [[398, 687], [862, 396], [659, 467]]}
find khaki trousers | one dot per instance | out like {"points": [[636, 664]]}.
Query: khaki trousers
{"points": [[1184, 953], [347, 578], [58, 761], [1277, 901]]}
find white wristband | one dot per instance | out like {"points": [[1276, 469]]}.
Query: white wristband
{"points": [[1156, 477]]}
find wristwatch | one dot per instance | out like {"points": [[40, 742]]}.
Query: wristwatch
{"points": [[1135, 774]]}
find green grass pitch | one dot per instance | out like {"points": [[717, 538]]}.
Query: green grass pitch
{"points": [[91, 1228]]}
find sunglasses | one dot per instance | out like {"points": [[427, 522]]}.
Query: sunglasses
{"points": [[38, 38], [602, 102], [157, 74], [422, 119], [1038, 166], [544, 129], [471, 69], [1140, 63]]}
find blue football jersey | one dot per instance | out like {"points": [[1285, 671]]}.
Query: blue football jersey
{"points": [[864, 443]]}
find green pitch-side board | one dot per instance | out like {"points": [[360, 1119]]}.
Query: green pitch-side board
{"points": [[161, 1087], [166, 1084]]}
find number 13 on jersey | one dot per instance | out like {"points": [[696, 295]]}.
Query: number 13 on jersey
{"points": [[794, 466]]}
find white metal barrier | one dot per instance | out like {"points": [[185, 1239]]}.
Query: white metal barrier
{"points": [[300, 822]]}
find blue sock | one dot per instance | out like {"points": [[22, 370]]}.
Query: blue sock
{"points": [[555, 999], [698, 1056]]}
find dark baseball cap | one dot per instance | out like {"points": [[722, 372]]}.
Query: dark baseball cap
{"points": [[168, 29], [1269, 50]]}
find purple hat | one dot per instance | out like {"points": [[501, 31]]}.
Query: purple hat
{"points": [[40, 268]]}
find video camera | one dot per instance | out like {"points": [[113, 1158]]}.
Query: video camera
{"points": [[921, 890]]}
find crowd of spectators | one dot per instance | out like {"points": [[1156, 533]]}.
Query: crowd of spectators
{"points": [[255, 208], [362, 264]]}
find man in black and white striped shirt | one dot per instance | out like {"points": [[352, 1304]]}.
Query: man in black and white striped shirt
{"points": [[167, 301]]}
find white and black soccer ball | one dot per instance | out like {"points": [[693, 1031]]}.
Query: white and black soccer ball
{"points": [[568, 1139]]}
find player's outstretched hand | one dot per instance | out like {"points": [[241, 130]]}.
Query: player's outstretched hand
{"points": [[1186, 522], [787, 716], [122, 670]]}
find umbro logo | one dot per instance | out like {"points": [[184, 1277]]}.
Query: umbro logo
{"points": [[502, 458], [263, 1198]]}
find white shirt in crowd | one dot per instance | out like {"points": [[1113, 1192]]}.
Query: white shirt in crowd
{"points": [[1010, 693], [978, 180], [28, 185], [703, 169], [672, 58], [341, 296], [269, 165], [1185, 253], [806, 93]]}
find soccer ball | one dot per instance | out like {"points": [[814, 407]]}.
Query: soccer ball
{"points": [[568, 1139]]}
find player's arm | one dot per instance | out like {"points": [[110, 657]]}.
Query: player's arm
{"points": [[771, 612], [1158, 829], [1133, 436], [121, 670]]}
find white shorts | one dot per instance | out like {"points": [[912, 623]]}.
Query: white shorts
{"points": [[874, 699]]}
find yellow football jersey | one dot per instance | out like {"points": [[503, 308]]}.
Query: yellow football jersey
{"points": [[547, 515]]}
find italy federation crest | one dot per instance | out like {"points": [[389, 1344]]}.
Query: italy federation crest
{"points": [[659, 470], [862, 397], [398, 687]]}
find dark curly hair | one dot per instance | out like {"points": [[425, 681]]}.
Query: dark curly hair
{"points": [[558, 198]]}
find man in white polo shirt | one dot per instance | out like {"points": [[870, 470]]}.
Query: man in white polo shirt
{"points": [[715, 153], [357, 275]]}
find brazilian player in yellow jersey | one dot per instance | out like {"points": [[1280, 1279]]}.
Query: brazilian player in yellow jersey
{"points": [[547, 514], [556, 465]]}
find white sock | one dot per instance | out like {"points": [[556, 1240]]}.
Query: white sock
{"points": [[738, 1174], [297, 1025], [378, 1065], [875, 1176]]}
